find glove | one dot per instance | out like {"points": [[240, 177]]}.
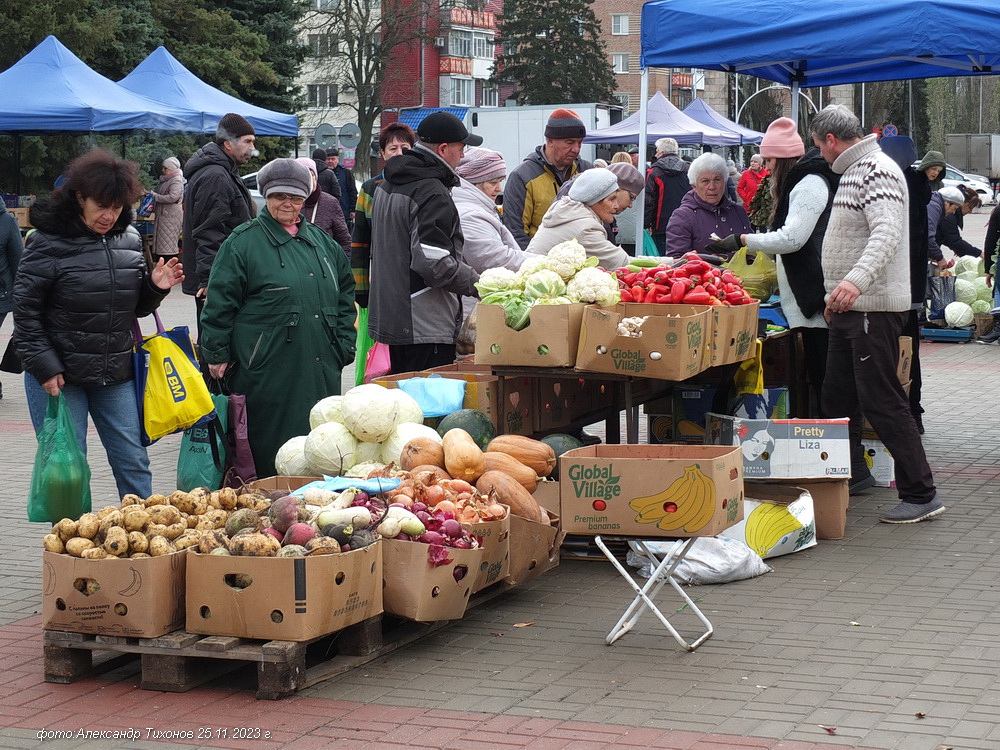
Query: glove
{"points": [[727, 246]]}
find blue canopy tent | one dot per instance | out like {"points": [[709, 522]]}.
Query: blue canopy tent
{"points": [[700, 111], [52, 90], [161, 77], [663, 120]]}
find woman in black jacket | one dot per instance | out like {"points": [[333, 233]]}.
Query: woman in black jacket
{"points": [[81, 283]]}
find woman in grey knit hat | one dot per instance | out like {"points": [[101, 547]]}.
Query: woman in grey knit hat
{"points": [[169, 195]]}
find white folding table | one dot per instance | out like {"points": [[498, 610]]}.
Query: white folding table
{"points": [[663, 566]]}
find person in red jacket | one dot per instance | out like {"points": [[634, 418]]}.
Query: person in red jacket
{"points": [[750, 180]]}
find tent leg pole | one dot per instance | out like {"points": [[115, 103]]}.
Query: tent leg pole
{"points": [[795, 102], [640, 199]]}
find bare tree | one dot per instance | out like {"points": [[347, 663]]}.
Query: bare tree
{"points": [[369, 36]]}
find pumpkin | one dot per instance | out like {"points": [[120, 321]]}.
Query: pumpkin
{"points": [[525, 476], [534, 454], [507, 491], [421, 451], [463, 459]]}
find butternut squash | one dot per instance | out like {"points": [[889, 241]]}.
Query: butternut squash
{"points": [[421, 451], [508, 491], [532, 453], [525, 476], [463, 459]]}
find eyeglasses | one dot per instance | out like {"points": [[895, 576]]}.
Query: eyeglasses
{"points": [[631, 195], [285, 197]]}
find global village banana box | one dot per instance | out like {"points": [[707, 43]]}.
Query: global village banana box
{"points": [[779, 520], [651, 491], [141, 598]]}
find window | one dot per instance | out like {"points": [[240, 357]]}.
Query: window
{"points": [[491, 95], [322, 96], [619, 62], [482, 46], [623, 99], [325, 4], [619, 24], [322, 45], [461, 92], [460, 43]]}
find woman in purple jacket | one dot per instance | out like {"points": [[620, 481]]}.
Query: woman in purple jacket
{"points": [[323, 210], [705, 214]]}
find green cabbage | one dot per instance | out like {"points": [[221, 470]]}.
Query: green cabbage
{"points": [[966, 263], [958, 315], [965, 291], [981, 306], [983, 292]]}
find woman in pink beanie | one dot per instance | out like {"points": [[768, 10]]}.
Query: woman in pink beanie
{"points": [[803, 186]]}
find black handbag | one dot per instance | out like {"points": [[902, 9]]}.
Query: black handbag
{"points": [[11, 361]]}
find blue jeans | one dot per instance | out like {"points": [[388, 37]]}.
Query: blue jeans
{"points": [[116, 417]]}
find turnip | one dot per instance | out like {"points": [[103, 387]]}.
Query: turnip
{"points": [[299, 533]]}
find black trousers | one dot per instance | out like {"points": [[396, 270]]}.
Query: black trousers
{"points": [[417, 357], [861, 381]]}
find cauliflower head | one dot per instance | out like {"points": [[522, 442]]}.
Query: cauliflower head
{"points": [[542, 284], [566, 258], [496, 280], [594, 285]]}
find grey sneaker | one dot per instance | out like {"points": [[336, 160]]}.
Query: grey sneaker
{"points": [[914, 512]]}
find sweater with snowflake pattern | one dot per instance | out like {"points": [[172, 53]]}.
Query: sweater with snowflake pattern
{"points": [[867, 240]]}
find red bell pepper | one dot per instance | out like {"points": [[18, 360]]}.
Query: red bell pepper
{"points": [[697, 298], [654, 291], [677, 290], [638, 293]]}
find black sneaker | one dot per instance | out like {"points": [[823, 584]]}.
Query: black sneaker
{"points": [[861, 484], [990, 338]]}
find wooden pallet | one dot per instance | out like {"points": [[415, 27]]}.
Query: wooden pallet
{"points": [[179, 661]]}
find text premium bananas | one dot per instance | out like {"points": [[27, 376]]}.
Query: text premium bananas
{"points": [[688, 503]]}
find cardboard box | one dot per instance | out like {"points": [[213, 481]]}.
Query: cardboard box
{"points": [[495, 540], [779, 520], [692, 403], [650, 490], [534, 548], [880, 463], [734, 331], [416, 590], [830, 500], [283, 598], [549, 340], [560, 401], [675, 342], [141, 598], [546, 494], [905, 359], [287, 484], [785, 448], [21, 214]]}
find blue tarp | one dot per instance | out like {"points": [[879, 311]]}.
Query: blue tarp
{"points": [[51, 89], [161, 77], [700, 111], [664, 120], [413, 117], [811, 43]]}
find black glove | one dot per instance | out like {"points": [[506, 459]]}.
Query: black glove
{"points": [[728, 246]]}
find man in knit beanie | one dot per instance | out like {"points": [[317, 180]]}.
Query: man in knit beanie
{"points": [[866, 272], [532, 186], [215, 201], [325, 176]]}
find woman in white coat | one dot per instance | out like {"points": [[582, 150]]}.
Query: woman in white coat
{"points": [[488, 243], [169, 211]]}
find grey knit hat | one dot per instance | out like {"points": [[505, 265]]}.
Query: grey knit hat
{"points": [[284, 176], [593, 186]]}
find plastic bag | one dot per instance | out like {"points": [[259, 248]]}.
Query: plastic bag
{"points": [[437, 396], [60, 480], [648, 246], [146, 206], [749, 377], [710, 560], [378, 363], [942, 291], [198, 465], [240, 466], [362, 345], [465, 343], [759, 274]]}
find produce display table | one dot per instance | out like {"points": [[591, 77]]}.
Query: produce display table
{"points": [[663, 567]]}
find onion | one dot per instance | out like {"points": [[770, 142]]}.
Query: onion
{"points": [[432, 537], [418, 506], [452, 528]]}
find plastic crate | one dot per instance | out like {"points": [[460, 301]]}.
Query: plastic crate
{"points": [[952, 335]]}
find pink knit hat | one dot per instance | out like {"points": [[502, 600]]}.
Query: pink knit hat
{"points": [[782, 141]]}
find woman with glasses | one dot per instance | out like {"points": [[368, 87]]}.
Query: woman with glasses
{"points": [[278, 322]]}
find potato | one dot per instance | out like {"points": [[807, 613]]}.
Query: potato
{"points": [[204, 523], [160, 545], [114, 519], [103, 512], [164, 514], [137, 542], [211, 540], [116, 541], [130, 501], [188, 503], [201, 492], [253, 500], [78, 544], [136, 520], [174, 530], [139, 555], [218, 517], [53, 543], [87, 526], [228, 499], [155, 499], [95, 553], [66, 529], [189, 538], [254, 544]]}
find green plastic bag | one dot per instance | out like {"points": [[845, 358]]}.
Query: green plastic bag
{"points": [[60, 480], [758, 274], [648, 246], [197, 464], [363, 344]]}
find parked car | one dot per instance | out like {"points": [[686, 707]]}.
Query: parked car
{"points": [[250, 181], [953, 177]]}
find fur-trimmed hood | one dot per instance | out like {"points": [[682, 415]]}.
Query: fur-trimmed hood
{"points": [[60, 215]]}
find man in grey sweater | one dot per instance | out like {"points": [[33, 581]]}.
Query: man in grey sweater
{"points": [[867, 278]]}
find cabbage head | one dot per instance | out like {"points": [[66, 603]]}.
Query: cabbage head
{"points": [[329, 449], [983, 292], [981, 306], [966, 263], [325, 410], [958, 315], [371, 412], [290, 460], [965, 291]]}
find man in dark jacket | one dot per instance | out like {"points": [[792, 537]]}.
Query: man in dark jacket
{"points": [[345, 180], [216, 201], [418, 276], [11, 249], [666, 183], [324, 175]]}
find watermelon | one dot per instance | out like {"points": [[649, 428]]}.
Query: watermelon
{"points": [[560, 443], [474, 422]]}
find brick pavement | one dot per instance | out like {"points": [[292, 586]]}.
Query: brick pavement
{"points": [[889, 635]]}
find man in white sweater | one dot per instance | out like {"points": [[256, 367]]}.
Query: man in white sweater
{"points": [[867, 278]]}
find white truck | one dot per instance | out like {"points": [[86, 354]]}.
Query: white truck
{"points": [[515, 131], [978, 153]]}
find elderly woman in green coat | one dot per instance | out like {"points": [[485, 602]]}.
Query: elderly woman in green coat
{"points": [[278, 321]]}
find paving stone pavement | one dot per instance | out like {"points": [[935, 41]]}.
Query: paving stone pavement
{"points": [[889, 635]]}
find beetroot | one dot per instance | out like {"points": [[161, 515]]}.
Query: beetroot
{"points": [[299, 533], [284, 512], [274, 532]]}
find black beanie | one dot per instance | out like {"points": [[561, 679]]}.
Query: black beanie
{"points": [[319, 154], [233, 126]]}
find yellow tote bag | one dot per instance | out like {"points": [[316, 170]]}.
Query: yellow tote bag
{"points": [[170, 390]]}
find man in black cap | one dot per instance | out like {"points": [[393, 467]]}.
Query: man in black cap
{"points": [[417, 274], [325, 176], [345, 179], [215, 201], [532, 186]]}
